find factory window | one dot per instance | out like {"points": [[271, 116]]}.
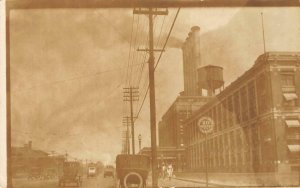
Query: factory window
{"points": [[255, 136], [219, 121], [292, 123], [239, 145], [216, 151], [221, 158], [239, 139], [237, 112], [287, 79], [255, 147], [214, 117], [262, 98], [244, 102], [230, 111], [252, 100], [224, 113], [232, 141]]}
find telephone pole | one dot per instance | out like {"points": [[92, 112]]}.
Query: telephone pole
{"points": [[131, 94], [127, 143], [150, 12]]}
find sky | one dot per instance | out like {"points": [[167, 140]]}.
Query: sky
{"points": [[69, 68]]}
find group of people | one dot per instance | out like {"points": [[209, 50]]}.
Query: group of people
{"points": [[166, 171]]}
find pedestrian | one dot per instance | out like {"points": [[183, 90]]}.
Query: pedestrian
{"points": [[163, 171], [170, 171]]}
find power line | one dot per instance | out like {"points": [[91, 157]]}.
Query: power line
{"points": [[129, 49], [159, 60], [162, 25], [144, 98], [75, 78], [134, 53], [169, 34], [141, 56]]}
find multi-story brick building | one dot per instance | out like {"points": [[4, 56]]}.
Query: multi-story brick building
{"points": [[256, 121], [171, 130]]}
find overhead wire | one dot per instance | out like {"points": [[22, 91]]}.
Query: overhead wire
{"points": [[141, 56], [161, 28], [129, 53], [74, 78], [141, 89], [169, 34], [170, 31], [134, 50]]}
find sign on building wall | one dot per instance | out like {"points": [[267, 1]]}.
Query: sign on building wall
{"points": [[206, 125]]}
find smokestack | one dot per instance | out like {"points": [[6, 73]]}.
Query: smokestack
{"points": [[191, 62], [196, 44]]}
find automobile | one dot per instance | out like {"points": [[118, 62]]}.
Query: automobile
{"points": [[109, 170], [132, 170], [71, 174]]}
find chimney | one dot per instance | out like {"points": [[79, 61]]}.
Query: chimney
{"points": [[196, 44], [191, 62]]}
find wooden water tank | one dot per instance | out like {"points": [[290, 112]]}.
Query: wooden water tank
{"points": [[210, 77]]}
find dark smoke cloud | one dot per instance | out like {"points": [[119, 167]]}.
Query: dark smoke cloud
{"points": [[174, 42]]}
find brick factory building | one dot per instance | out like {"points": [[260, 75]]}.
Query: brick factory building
{"points": [[256, 121]]}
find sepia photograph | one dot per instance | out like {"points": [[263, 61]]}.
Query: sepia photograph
{"points": [[151, 93]]}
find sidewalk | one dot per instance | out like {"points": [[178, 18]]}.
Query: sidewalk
{"points": [[241, 179]]}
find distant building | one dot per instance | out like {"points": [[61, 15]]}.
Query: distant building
{"points": [[24, 158], [256, 120]]}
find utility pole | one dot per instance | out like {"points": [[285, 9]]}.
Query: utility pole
{"points": [[126, 121], [150, 12], [131, 94], [125, 141]]}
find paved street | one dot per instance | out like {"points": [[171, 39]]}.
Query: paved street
{"points": [[96, 182], [178, 183]]}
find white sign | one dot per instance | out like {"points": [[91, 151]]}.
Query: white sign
{"points": [[206, 125]]}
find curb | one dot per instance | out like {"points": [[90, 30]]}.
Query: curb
{"points": [[197, 181]]}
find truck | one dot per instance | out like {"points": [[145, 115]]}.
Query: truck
{"points": [[109, 170], [132, 170], [71, 174]]}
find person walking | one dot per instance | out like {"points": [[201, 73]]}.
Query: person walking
{"points": [[163, 171], [170, 171]]}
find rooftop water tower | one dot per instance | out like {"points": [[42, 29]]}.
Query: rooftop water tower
{"points": [[210, 77]]}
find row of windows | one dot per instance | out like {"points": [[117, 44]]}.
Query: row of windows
{"points": [[239, 107], [239, 147]]}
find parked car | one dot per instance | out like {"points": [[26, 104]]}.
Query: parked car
{"points": [[109, 170]]}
